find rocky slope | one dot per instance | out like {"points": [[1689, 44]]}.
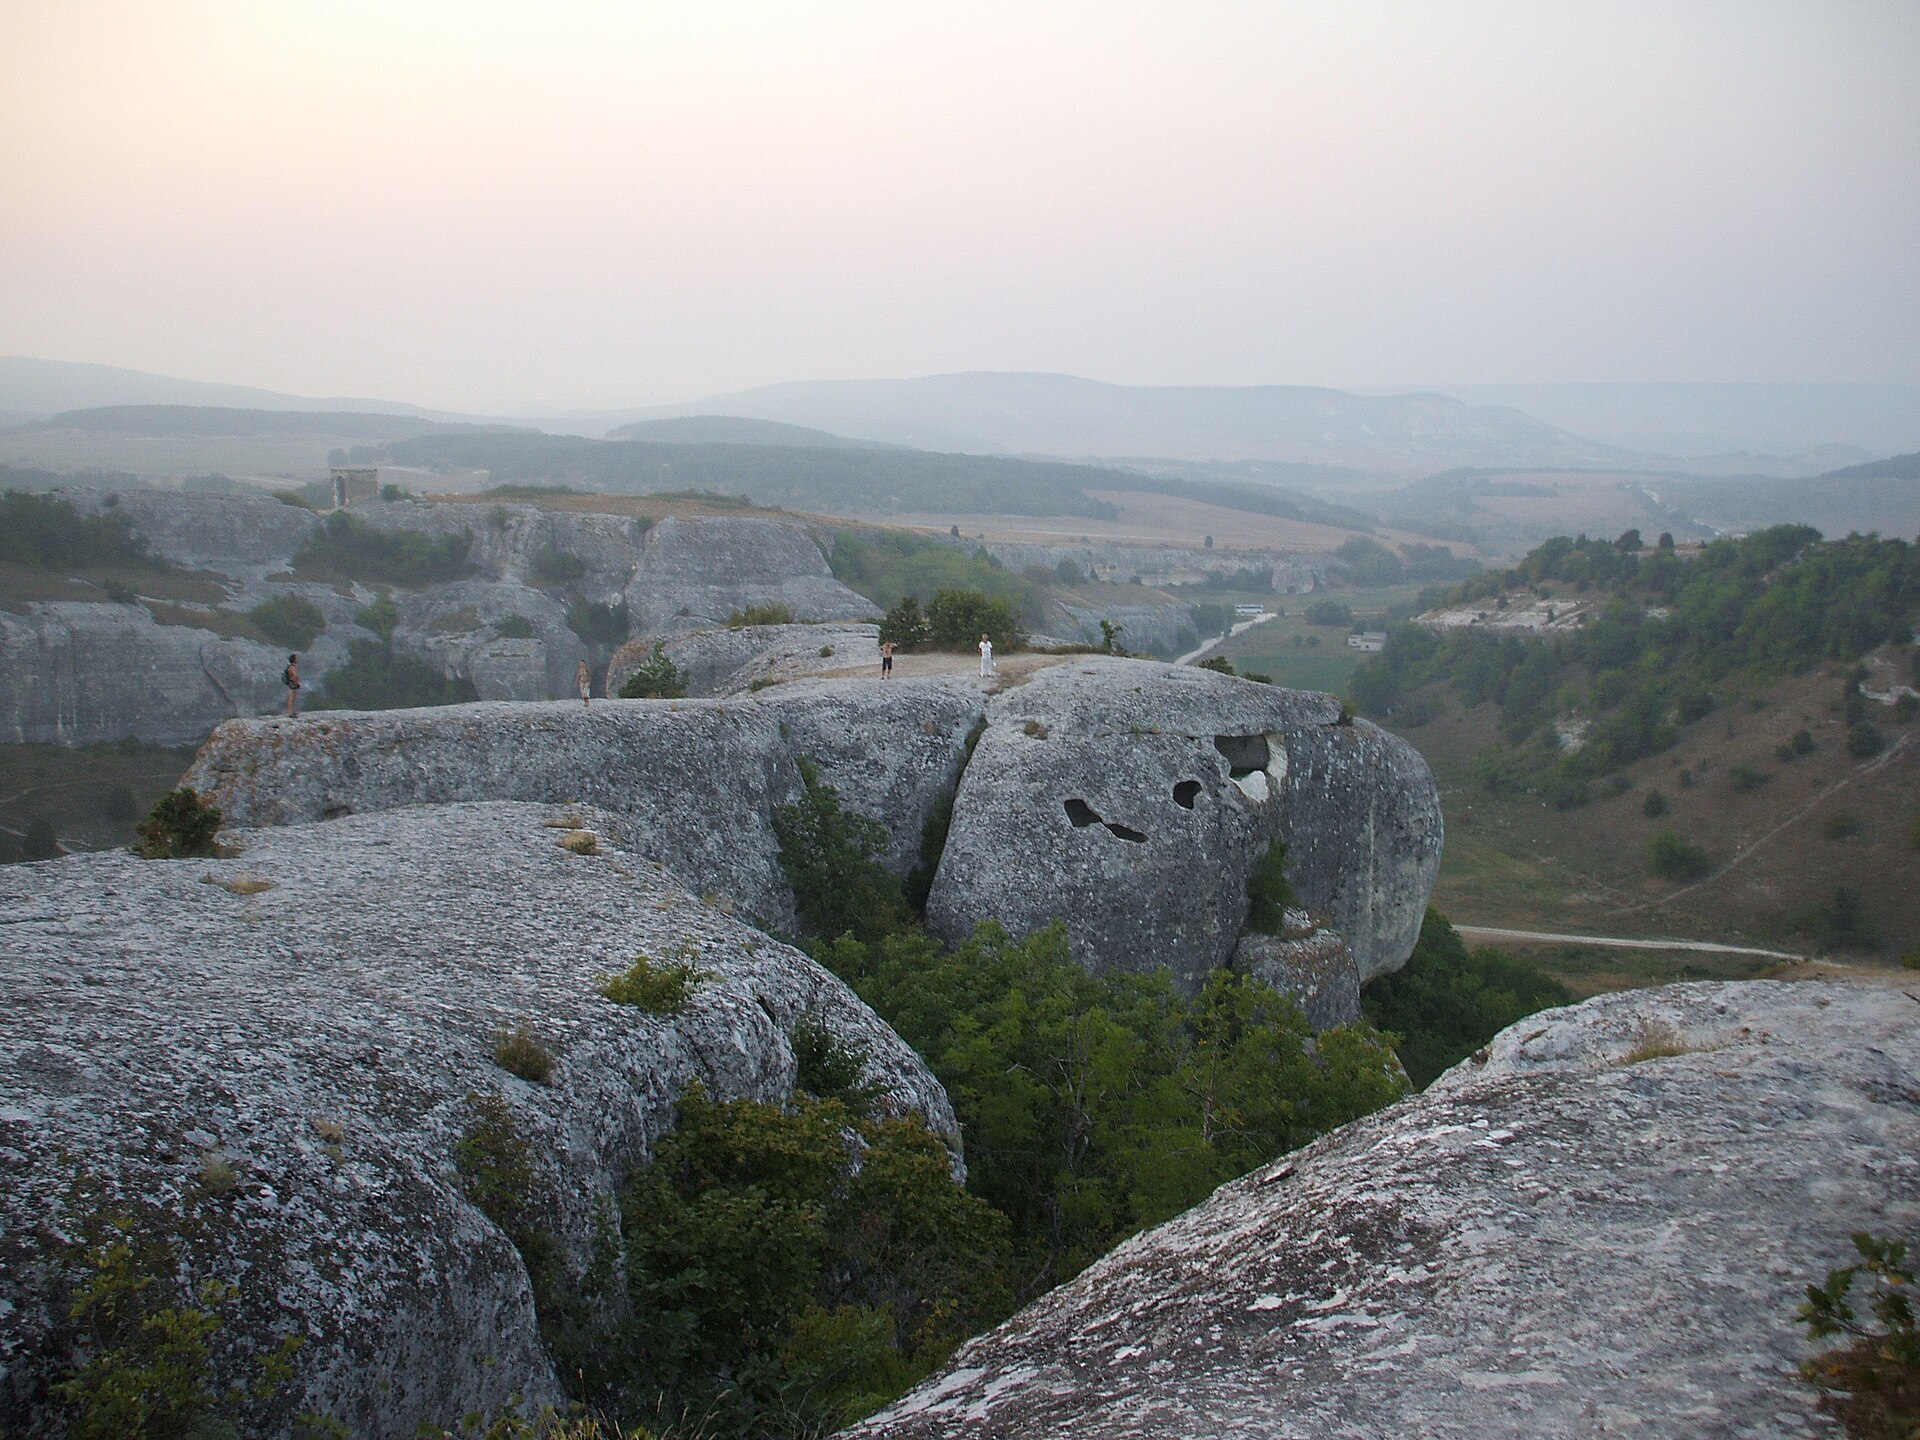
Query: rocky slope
{"points": [[1557, 1238], [289, 1045], [75, 673]]}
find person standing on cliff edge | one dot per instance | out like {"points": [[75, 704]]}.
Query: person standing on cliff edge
{"points": [[583, 682], [290, 677], [886, 659], [986, 657]]}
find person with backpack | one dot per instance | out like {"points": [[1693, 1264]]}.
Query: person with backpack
{"points": [[290, 677]]}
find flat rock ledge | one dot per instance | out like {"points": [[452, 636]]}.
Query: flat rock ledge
{"points": [[289, 1044], [1554, 1240]]}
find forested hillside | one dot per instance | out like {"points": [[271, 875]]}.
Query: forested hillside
{"points": [[1675, 629]]}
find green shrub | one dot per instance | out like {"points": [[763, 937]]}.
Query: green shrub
{"points": [[143, 1364], [777, 1288], [50, 534], [1746, 778], [1840, 825], [376, 678], [181, 825], [905, 626], [1446, 1002], [1839, 922], [774, 614], [956, 619], [1802, 742], [604, 625], [495, 1164], [1872, 1382], [520, 1052], [292, 622], [39, 842], [550, 565], [514, 627], [1219, 664], [1654, 805], [830, 858], [1330, 612], [349, 546], [1268, 894], [829, 1068], [1865, 740], [657, 989], [1671, 858], [655, 678]]}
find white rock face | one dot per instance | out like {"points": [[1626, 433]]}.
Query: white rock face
{"points": [[694, 573], [324, 1038], [1555, 1241]]}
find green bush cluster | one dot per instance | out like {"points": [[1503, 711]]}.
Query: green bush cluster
{"points": [[778, 1288], [1672, 858], [292, 622], [604, 626], [181, 825], [1446, 1001], [50, 534], [347, 545], [1268, 894], [1330, 612], [377, 678], [888, 566], [1872, 1381], [1761, 606], [655, 678], [550, 565], [657, 989], [954, 620], [514, 627]]}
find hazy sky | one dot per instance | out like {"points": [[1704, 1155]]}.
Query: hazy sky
{"points": [[481, 206]]}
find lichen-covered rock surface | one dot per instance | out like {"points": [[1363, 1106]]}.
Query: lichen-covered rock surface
{"points": [[1557, 1241], [1309, 962], [1132, 800], [288, 1045], [693, 574], [731, 661]]}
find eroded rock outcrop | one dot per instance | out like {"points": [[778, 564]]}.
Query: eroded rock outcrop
{"points": [[1132, 800], [694, 573], [1555, 1240], [288, 1044], [72, 673], [730, 661]]}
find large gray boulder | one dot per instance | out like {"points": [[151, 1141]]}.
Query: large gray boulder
{"points": [[694, 573], [1556, 1239], [231, 534], [455, 627], [1131, 800], [276, 1069], [694, 782]]}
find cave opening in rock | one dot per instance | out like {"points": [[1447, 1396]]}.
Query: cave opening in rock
{"points": [[1185, 793], [1244, 754]]}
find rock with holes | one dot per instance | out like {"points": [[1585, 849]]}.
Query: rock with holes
{"points": [[1130, 800], [1562, 1241], [1313, 964], [270, 1063]]}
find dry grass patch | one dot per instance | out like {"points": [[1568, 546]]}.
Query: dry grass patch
{"points": [[1657, 1040], [520, 1052], [240, 884], [580, 842]]}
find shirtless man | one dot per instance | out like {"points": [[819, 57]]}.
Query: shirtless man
{"points": [[886, 659]]}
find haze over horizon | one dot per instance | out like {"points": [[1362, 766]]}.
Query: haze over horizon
{"points": [[491, 210]]}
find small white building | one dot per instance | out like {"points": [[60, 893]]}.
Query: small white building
{"points": [[1368, 640], [1248, 612]]}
